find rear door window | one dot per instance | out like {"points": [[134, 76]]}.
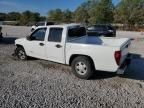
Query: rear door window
{"points": [[55, 34]]}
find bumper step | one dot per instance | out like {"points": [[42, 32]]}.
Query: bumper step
{"points": [[124, 66]]}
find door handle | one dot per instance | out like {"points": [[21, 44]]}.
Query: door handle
{"points": [[58, 46], [41, 44]]}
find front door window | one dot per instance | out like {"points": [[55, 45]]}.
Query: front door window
{"points": [[39, 34]]}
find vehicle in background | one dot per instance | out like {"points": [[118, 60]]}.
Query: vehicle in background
{"points": [[41, 24], [1, 33], [69, 44], [101, 30]]}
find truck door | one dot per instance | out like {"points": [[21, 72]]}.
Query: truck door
{"points": [[36, 45], [55, 45]]}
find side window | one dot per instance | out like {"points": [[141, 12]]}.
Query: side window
{"points": [[39, 34], [104, 28], [98, 28], [110, 28], [55, 34], [91, 28]]}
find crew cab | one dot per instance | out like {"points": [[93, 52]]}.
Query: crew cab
{"points": [[68, 44]]}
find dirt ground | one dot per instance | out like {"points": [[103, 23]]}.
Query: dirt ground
{"points": [[42, 84]]}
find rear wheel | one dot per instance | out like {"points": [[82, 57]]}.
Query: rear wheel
{"points": [[20, 52], [82, 67]]}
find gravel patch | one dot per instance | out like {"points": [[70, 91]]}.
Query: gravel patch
{"points": [[43, 84]]}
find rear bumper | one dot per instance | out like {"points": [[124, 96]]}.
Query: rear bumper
{"points": [[125, 64]]}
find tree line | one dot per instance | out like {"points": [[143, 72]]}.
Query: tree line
{"points": [[24, 18], [129, 13], [126, 12]]}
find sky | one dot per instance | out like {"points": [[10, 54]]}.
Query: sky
{"points": [[41, 6]]}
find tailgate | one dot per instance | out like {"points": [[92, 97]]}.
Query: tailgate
{"points": [[125, 50]]}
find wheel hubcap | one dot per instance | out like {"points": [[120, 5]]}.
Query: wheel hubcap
{"points": [[81, 68], [21, 54]]}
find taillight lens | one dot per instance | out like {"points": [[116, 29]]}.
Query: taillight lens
{"points": [[118, 57]]}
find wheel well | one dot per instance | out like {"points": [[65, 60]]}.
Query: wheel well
{"points": [[19, 46], [76, 55]]}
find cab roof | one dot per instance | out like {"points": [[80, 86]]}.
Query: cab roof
{"points": [[63, 25]]}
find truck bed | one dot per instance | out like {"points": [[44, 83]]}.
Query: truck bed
{"points": [[113, 42]]}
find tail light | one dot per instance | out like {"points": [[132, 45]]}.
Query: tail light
{"points": [[118, 57]]}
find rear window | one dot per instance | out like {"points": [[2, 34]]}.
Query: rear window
{"points": [[97, 28], [101, 27], [110, 28], [76, 32]]}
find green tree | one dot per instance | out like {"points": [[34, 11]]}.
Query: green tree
{"points": [[2, 16], [102, 12], [55, 15], [130, 12], [24, 19], [34, 17], [43, 18], [29, 17], [13, 16], [81, 15], [67, 16]]}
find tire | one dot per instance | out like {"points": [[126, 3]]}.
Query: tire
{"points": [[82, 67], [20, 53]]}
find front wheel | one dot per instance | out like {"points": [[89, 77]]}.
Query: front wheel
{"points": [[20, 53], [82, 67]]}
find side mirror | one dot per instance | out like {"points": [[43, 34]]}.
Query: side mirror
{"points": [[28, 38]]}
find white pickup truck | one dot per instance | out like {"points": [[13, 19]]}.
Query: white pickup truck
{"points": [[69, 44]]}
